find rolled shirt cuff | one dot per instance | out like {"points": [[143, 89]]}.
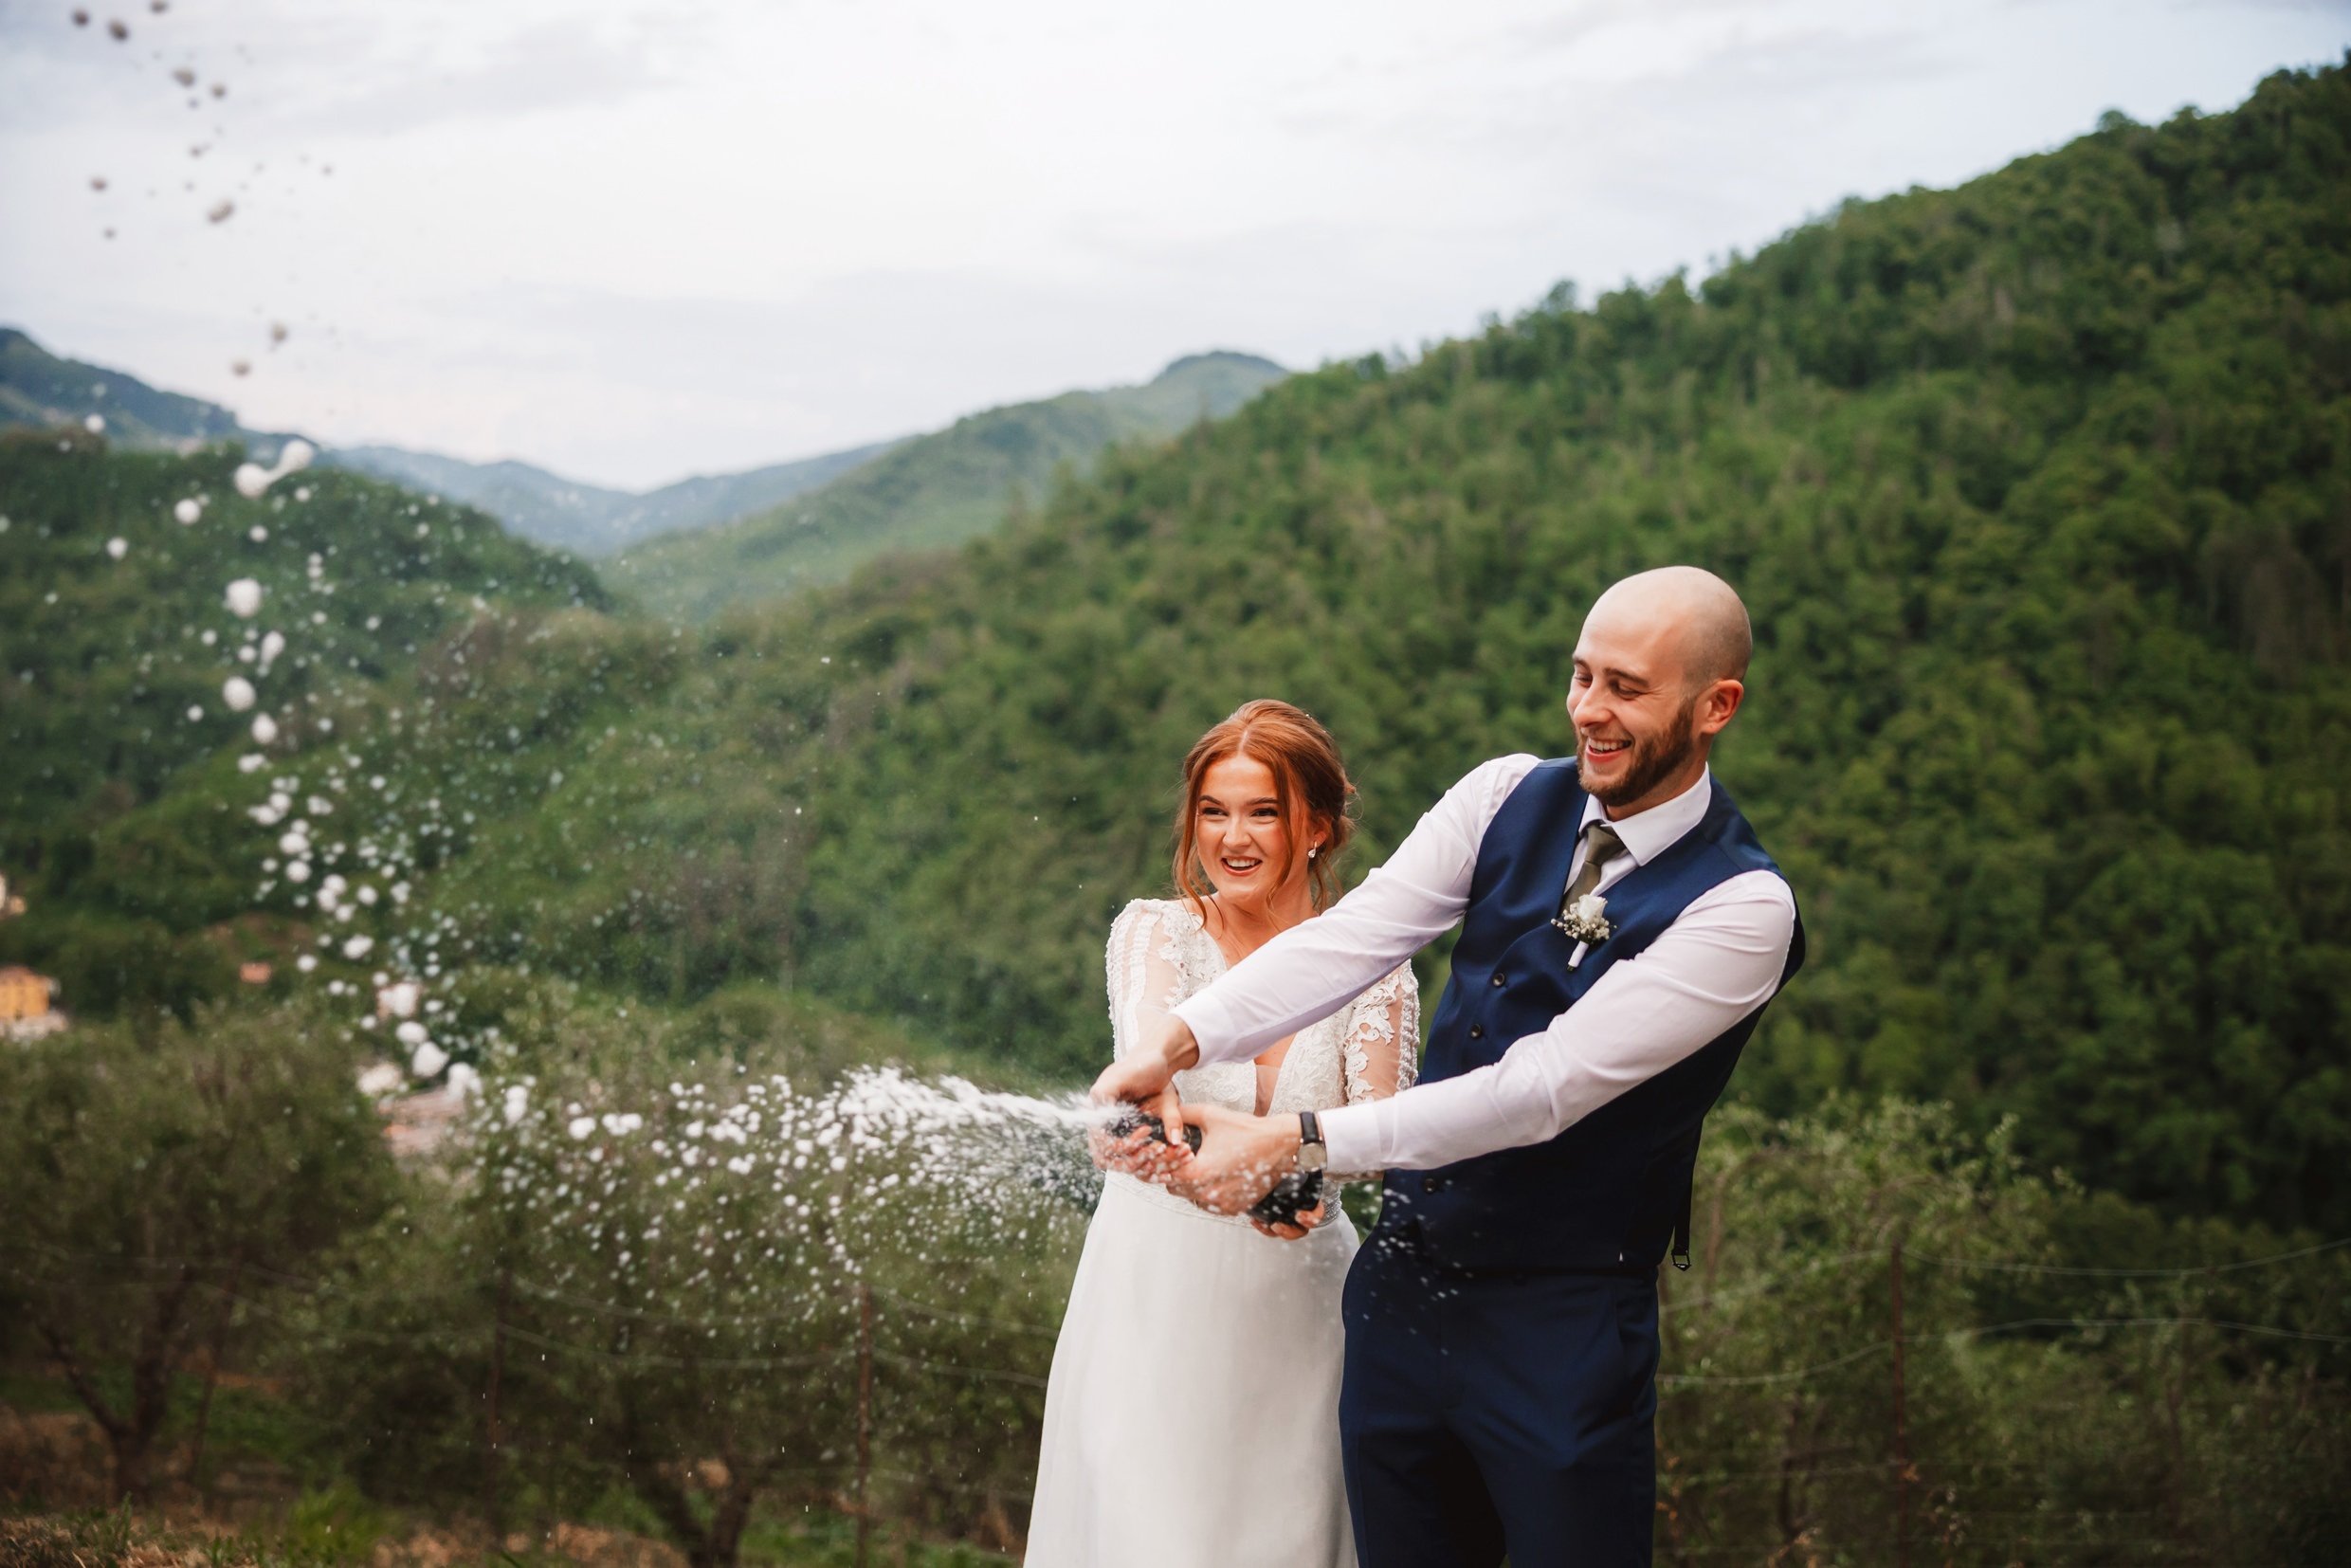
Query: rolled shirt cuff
{"points": [[1212, 1027]]}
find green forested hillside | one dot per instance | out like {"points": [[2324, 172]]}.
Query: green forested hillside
{"points": [[587, 519], [2035, 487], [121, 809], [935, 490]]}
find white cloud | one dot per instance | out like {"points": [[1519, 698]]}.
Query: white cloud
{"points": [[630, 242]]}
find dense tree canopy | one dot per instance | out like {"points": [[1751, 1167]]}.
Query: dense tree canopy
{"points": [[2035, 489]]}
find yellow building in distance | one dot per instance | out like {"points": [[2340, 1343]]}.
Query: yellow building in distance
{"points": [[27, 1004]]}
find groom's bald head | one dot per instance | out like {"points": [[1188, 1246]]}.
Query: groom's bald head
{"points": [[1660, 668], [1688, 609]]}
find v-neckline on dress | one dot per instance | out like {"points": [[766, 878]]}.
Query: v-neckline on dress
{"points": [[1289, 1042]]}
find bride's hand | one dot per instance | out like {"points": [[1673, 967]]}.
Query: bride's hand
{"points": [[1138, 1153], [1146, 1077], [1307, 1220]]}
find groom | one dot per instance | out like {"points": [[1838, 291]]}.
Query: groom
{"points": [[1622, 930]]}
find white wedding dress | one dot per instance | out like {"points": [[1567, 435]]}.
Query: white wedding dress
{"points": [[1193, 1416]]}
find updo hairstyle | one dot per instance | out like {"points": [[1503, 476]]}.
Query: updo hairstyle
{"points": [[1308, 775]]}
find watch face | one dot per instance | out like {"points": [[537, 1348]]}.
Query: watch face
{"points": [[1311, 1155]]}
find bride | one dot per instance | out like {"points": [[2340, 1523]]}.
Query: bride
{"points": [[1199, 1359]]}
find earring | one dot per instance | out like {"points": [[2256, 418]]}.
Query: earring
{"points": [[1315, 851]]}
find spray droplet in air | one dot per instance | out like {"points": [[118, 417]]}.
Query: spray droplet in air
{"points": [[264, 729], [252, 479], [185, 77], [95, 424], [188, 511], [118, 547], [278, 332], [97, 182], [244, 598], [80, 18], [222, 212], [118, 32], [241, 366], [238, 693]]}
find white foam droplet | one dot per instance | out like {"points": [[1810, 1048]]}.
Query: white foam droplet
{"points": [[264, 729], [238, 693], [118, 547], [244, 598], [188, 511]]}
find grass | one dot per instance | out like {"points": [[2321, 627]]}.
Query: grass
{"points": [[337, 1528]]}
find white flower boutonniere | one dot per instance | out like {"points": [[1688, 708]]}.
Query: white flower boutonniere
{"points": [[1586, 920]]}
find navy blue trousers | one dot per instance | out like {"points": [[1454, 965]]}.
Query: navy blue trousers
{"points": [[1495, 1412]]}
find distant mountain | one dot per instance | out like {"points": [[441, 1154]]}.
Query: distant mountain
{"points": [[587, 519], [39, 389], [935, 490]]}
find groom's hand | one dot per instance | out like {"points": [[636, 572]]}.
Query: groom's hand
{"points": [[1240, 1159], [1146, 1076]]}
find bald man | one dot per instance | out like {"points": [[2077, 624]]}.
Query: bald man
{"points": [[1622, 930]]}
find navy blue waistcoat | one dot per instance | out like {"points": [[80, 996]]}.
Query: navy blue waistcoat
{"points": [[1604, 1194]]}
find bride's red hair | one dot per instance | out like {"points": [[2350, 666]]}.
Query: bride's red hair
{"points": [[1307, 772]]}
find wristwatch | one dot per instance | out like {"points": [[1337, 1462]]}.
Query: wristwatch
{"points": [[1313, 1154], [1301, 1189]]}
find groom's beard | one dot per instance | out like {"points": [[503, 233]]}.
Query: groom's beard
{"points": [[1654, 761]]}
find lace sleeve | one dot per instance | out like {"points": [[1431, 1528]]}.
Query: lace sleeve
{"points": [[1381, 1051], [1143, 980], [1383, 1037]]}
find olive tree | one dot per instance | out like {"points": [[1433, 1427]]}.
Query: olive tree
{"points": [[156, 1182]]}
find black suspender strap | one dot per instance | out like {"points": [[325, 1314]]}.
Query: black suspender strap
{"points": [[1682, 1226]]}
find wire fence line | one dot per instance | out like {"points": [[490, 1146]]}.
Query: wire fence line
{"points": [[2080, 1272], [646, 1313]]}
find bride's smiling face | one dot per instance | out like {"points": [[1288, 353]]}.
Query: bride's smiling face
{"points": [[1243, 831]]}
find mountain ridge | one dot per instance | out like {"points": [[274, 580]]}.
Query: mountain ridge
{"points": [[930, 491]]}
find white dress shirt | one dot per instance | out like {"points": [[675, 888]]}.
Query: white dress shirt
{"points": [[1715, 964]]}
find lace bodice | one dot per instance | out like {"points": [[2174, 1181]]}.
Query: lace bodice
{"points": [[1159, 954]]}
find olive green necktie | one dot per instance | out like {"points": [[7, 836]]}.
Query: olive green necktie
{"points": [[1601, 845]]}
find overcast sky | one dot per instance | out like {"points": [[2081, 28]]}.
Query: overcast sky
{"points": [[632, 242]]}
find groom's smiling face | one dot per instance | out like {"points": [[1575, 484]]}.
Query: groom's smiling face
{"points": [[1647, 698], [1633, 734]]}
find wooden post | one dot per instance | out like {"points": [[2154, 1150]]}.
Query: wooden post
{"points": [[196, 1477], [1901, 1435], [492, 1434], [865, 1414]]}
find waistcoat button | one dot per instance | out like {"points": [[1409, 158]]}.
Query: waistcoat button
{"points": [[1499, 981], [1477, 1031]]}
